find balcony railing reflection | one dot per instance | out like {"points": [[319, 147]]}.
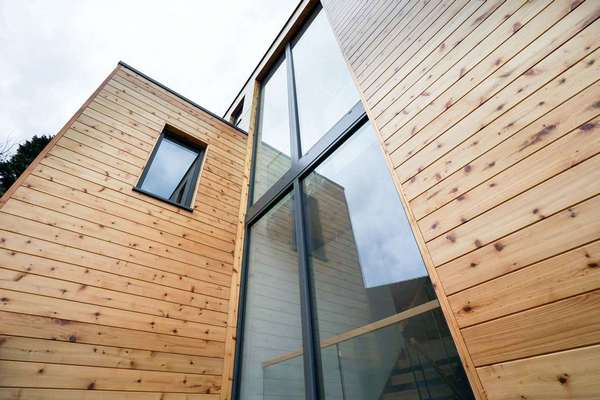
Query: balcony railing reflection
{"points": [[406, 356]]}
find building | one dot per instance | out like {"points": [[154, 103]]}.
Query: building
{"points": [[401, 203]]}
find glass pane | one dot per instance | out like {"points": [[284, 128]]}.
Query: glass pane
{"points": [[169, 166], [272, 362], [411, 359], [324, 88], [273, 142], [365, 261]]}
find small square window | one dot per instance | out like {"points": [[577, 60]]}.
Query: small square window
{"points": [[172, 170]]}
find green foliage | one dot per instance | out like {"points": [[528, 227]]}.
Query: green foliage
{"points": [[12, 167]]}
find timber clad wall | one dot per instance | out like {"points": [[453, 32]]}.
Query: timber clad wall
{"points": [[105, 290], [489, 114]]}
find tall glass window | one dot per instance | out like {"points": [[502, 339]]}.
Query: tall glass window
{"points": [[272, 368], [373, 271], [338, 303], [324, 88], [273, 156]]}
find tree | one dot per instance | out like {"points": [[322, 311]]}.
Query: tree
{"points": [[12, 167]]}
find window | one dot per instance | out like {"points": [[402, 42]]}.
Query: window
{"points": [[305, 94], [236, 115], [324, 88], [273, 156], [335, 299], [172, 170]]}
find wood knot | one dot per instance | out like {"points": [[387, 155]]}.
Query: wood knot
{"points": [[91, 386], [467, 308], [72, 338], [451, 238], [498, 246], [563, 379], [593, 265]]}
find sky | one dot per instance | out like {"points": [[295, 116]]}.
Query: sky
{"points": [[54, 54]]}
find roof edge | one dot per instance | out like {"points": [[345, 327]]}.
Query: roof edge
{"points": [[182, 97]]}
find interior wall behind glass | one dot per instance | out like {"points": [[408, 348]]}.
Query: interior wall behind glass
{"points": [[272, 326], [273, 135]]}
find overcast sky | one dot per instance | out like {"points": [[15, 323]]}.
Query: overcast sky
{"points": [[53, 54]]}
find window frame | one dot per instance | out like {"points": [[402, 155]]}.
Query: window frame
{"points": [[190, 191], [291, 182]]}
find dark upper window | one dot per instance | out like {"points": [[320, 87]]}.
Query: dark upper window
{"points": [[172, 170], [236, 115]]}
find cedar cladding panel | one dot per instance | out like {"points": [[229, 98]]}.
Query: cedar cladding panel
{"points": [[489, 114], [103, 289]]}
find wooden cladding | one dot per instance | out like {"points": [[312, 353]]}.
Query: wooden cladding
{"points": [[489, 112], [106, 292]]}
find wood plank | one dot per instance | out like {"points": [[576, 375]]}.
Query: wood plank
{"points": [[536, 331], [46, 375], [29, 283], [563, 231], [28, 194], [544, 138], [556, 278], [57, 352], [34, 326], [64, 253], [522, 44], [51, 180], [71, 394], [571, 374], [31, 263], [202, 256], [558, 193], [534, 67], [491, 18], [458, 13], [195, 274], [42, 306], [548, 99]]}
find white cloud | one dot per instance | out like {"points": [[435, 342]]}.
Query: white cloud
{"points": [[53, 54]]}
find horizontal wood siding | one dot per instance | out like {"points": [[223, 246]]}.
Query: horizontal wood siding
{"points": [[489, 113], [105, 292]]}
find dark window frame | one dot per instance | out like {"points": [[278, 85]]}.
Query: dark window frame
{"points": [[291, 182], [236, 114], [173, 135]]}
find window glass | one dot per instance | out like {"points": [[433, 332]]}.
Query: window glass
{"points": [[273, 142], [272, 362], [324, 88], [373, 270], [172, 172]]}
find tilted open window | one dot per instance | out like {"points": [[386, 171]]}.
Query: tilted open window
{"points": [[172, 171]]}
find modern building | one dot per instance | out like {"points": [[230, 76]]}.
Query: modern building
{"points": [[402, 203]]}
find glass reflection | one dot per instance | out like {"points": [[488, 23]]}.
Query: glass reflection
{"points": [[170, 167], [372, 269], [324, 88], [273, 142], [272, 363]]}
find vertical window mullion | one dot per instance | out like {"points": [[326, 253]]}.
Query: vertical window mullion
{"points": [[312, 359]]}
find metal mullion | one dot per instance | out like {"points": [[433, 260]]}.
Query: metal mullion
{"points": [[353, 120], [310, 335]]}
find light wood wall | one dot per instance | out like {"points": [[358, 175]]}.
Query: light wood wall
{"points": [[106, 293], [489, 114]]}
